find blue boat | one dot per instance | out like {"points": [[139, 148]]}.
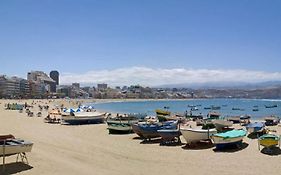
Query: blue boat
{"points": [[169, 135], [255, 127], [148, 131]]}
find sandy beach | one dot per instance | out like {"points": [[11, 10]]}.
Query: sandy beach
{"points": [[89, 149]]}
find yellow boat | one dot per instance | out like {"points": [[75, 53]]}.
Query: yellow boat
{"points": [[162, 112], [269, 140]]}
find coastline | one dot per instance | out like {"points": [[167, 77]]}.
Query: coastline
{"points": [[89, 149]]}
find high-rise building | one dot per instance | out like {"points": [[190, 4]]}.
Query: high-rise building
{"points": [[55, 76], [40, 83], [76, 85], [9, 86], [102, 86]]}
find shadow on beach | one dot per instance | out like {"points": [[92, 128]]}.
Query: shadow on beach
{"points": [[232, 148], [152, 141], [198, 146], [119, 132], [14, 168], [275, 151], [137, 138], [253, 136]]}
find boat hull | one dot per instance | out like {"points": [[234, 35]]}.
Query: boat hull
{"points": [[221, 142], [269, 142], [196, 135], [169, 135], [220, 124], [15, 146], [83, 118]]}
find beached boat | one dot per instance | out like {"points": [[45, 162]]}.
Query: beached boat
{"points": [[149, 131], [169, 135], [234, 119], [255, 127], [221, 124], [269, 141], [192, 135], [9, 145], [121, 123], [213, 115], [245, 119], [271, 120], [83, 118], [225, 139]]}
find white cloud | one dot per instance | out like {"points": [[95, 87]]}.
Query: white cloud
{"points": [[158, 76]]}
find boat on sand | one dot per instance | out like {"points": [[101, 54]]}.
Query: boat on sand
{"points": [[9, 145], [228, 138], [192, 135]]}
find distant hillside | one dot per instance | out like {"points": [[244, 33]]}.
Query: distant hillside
{"points": [[225, 85]]}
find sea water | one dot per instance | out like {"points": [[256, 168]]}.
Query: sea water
{"points": [[227, 106]]}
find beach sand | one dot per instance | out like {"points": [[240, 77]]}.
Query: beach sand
{"points": [[89, 149]]}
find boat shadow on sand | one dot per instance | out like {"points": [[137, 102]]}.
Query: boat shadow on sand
{"points": [[151, 141], [198, 146], [275, 151], [14, 168], [232, 148]]}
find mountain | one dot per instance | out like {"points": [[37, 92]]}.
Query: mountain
{"points": [[224, 85]]}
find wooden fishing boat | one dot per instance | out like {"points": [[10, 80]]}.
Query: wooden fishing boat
{"points": [[269, 141], [192, 135], [234, 119], [220, 124], [228, 138], [9, 145], [162, 112], [255, 127], [271, 120], [213, 115], [121, 123], [149, 131], [78, 118], [169, 135]]}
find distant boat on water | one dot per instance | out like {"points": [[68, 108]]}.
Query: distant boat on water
{"points": [[235, 109], [271, 106]]}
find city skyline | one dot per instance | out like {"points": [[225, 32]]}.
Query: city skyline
{"points": [[149, 42]]}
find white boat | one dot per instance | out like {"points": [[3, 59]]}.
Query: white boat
{"points": [[195, 135], [220, 124], [13, 146], [233, 137], [83, 118]]}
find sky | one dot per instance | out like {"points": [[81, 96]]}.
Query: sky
{"points": [[148, 42]]}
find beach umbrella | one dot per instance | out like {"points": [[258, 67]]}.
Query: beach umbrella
{"points": [[69, 110], [79, 110]]}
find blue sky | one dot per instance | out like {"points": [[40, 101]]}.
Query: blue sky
{"points": [[85, 38]]}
